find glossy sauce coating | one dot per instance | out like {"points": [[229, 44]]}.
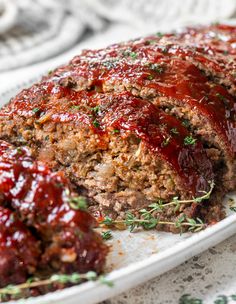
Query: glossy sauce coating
{"points": [[125, 114], [168, 77], [19, 250], [41, 199]]}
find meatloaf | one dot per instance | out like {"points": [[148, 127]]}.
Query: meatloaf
{"points": [[40, 231], [137, 122]]}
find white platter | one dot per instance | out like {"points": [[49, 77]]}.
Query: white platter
{"points": [[135, 257]]}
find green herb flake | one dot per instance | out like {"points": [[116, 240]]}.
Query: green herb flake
{"points": [[189, 140], [150, 77], [96, 109], [159, 34], [106, 235], [115, 131], [96, 123], [158, 68], [166, 141], [109, 64], [35, 110], [78, 203], [186, 123], [74, 107], [174, 131], [131, 54]]}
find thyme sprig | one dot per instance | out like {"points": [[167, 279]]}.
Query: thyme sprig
{"points": [[74, 278], [149, 222], [148, 219]]}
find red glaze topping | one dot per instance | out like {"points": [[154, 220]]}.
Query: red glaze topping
{"points": [[168, 77], [41, 199], [19, 251], [126, 114]]}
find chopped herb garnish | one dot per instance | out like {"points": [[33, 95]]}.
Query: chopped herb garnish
{"points": [[109, 64], [115, 131], [46, 137], [189, 140], [186, 123], [96, 123], [174, 131], [96, 109], [74, 278], [159, 68], [75, 107], [78, 203], [164, 50], [221, 97], [133, 55], [159, 34], [166, 141], [19, 150], [35, 110], [107, 235], [150, 77], [148, 42]]}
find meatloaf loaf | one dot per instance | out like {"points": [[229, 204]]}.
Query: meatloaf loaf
{"points": [[41, 232], [137, 122]]}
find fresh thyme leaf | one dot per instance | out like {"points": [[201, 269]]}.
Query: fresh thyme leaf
{"points": [[129, 53], [108, 221], [35, 110], [74, 278], [174, 131], [189, 140], [96, 109], [221, 97], [96, 123], [166, 141], [105, 281], [78, 203], [159, 34], [150, 77], [186, 123], [158, 68], [75, 107], [109, 64], [115, 131], [106, 235], [233, 208]]}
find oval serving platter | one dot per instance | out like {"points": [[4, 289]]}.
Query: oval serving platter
{"points": [[135, 257]]}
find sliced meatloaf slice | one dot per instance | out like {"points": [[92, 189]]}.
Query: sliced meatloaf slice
{"points": [[220, 66], [123, 150], [41, 199], [172, 84], [219, 37]]}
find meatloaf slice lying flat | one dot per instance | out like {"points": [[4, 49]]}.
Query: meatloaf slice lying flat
{"points": [[122, 149]]}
